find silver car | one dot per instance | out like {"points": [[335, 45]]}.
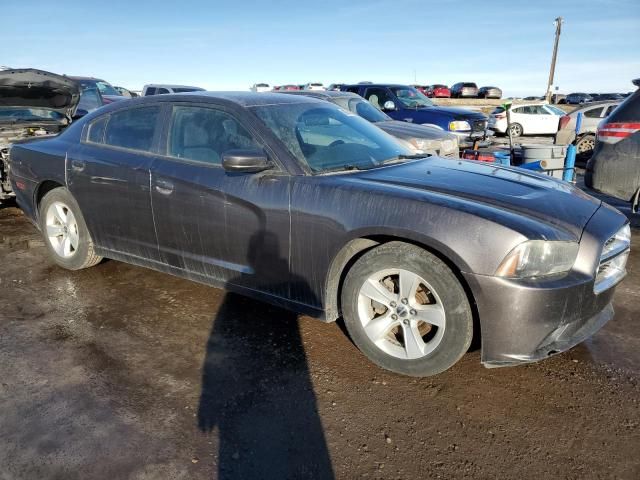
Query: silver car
{"points": [[421, 139], [592, 114]]}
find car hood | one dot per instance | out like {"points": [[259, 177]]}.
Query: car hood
{"points": [[459, 113], [39, 89], [519, 191], [411, 130]]}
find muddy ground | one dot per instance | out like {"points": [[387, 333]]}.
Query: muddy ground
{"points": [[121, 372]]}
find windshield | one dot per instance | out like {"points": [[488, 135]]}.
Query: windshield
{"points": [[104, 87], [25, 114], [411, 98], [362, 108], [327, 138]]}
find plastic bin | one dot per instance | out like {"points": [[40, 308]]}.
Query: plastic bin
{"points": [[554, 155]]}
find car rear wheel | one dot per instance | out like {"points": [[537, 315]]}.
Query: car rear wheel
{"points": [[406, 310], [585, 145], [516, 130], [65, 232]]}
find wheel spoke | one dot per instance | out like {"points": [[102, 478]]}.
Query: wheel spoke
{"points": [[409, 283], [73, 238], [55, 230], [374, 290], [71, 220], [59, 213], [431, 314], [66, 246], [380, 326], [413, 343]]}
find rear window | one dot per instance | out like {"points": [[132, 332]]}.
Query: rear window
{"points": [[469, 85], [96, 130], [628, 110], [133, 128], [593, 113], [498, 110], [439, 86]]}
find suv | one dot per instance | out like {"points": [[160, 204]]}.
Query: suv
{"points": [[614, 168], [592, 114], [464, 90], [402, 102]]}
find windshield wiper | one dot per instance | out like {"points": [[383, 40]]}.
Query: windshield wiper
{"points": [[399, 158]]}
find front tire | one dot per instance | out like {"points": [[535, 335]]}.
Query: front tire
{"points": [[406, 310], [516, 130], [65, 232]]}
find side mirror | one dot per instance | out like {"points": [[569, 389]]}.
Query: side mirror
{"points": [[249, 161], [389, 105]]}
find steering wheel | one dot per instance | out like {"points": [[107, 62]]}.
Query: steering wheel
{"points": [[335, 143]]}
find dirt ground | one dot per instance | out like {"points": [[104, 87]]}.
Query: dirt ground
{"points": [[118, 372]]}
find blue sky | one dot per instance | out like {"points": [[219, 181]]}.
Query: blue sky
{"points": [[229, 45]]}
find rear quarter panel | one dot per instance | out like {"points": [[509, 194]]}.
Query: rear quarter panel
{"points": [[34, 163]]}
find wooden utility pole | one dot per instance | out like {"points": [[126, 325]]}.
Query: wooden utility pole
{"points": [[552, 71]]}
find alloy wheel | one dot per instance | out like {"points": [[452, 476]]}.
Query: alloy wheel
{"points": [[401, 313], [62, 230]]}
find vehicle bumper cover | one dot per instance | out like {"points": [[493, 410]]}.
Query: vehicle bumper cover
{"points": [[525, 320], [467, 139], [521, 323]]}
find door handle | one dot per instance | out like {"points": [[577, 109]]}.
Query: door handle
{"points": [[164, 187], [77, 165]]}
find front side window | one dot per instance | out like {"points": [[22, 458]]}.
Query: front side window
{"points": [[377, 97], [327, 138], [133, 128], [162, 91], [150, 91], [204, 134]]}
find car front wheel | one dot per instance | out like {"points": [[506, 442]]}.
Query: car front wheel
{"points": [[65, 232], [406, 310]]}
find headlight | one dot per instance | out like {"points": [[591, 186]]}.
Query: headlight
{"points": [[459, 125], [619, 242], [423, 144], [537, 258]]}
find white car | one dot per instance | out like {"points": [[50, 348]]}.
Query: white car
{"points": [[527, 119], [260, 87], [314, 86]]}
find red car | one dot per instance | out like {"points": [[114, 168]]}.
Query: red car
{"points": [[421, 88], [438, 91]]}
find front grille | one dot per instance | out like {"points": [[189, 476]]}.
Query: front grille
{"points": [[479, 125], [613, 260]]}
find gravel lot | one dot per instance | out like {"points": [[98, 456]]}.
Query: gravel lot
{"points": [[121, 372]]}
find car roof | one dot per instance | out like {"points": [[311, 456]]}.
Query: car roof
{"points": [[168, 85], [243, 99], [85, 78], [322, 94], [400, 85]]}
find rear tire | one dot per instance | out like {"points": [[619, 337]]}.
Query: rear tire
{"points": [[584, 147], [65, 232], [406, 310]]}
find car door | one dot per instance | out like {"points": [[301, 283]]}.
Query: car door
{"points": [[108, 174], [229, 227]]}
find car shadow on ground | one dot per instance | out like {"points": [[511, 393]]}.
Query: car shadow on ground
{"points": [[256, 387]]}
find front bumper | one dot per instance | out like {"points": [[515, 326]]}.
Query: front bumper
{"points": [[525, 320], [467, 139]]}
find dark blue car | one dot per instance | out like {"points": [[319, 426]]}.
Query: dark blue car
{"points": [[402, 102]]}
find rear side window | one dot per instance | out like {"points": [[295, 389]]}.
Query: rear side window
{"points": [[204, 134], [352, 89], [162, 91], [593, 113], [96, 130], [133, 128]]}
